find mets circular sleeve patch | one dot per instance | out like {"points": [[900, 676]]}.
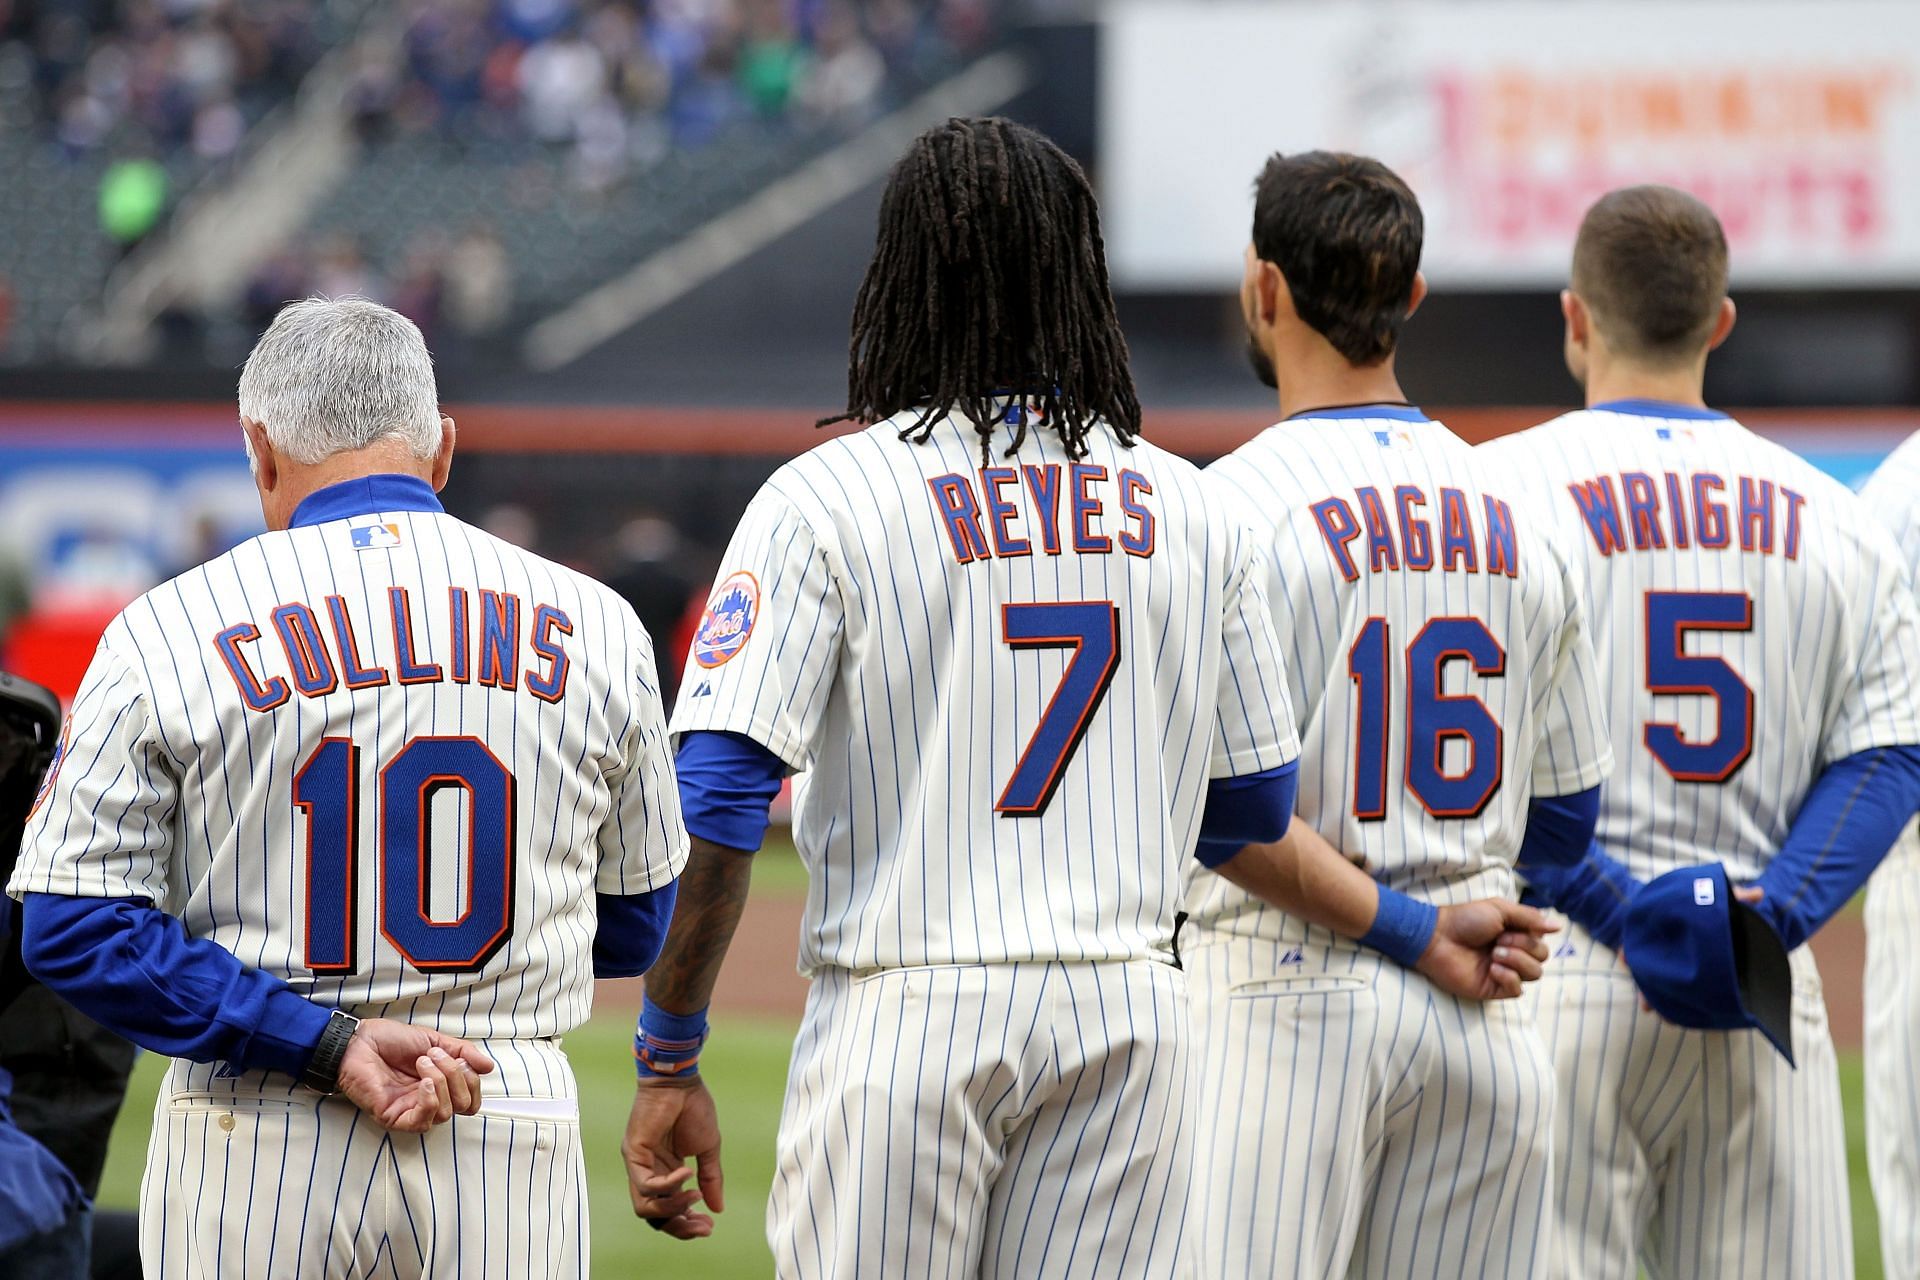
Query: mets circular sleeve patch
{"points": [[728, 621], [53, 769]]}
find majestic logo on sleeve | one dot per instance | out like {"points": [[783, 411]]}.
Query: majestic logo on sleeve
{"points": [[53, 769], [728, 621]]}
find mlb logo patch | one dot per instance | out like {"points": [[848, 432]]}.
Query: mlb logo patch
{"points": [[1673, 433], [1392, 439], [728, 621], [375, 537], [1703, 892]]}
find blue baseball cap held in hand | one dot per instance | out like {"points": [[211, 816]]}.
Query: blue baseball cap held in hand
{"points": [[1702, 958]]}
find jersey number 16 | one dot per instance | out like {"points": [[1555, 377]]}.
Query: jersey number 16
{"points": [[1433, 718]]}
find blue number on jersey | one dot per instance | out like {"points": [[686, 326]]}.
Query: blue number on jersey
{"points": [[1433, 719], [1673, 672], [324, 791], [327, 790], [1091, 628]]}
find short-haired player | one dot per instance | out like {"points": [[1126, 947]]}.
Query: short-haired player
{"points": [[367, 799], [1356, 1117], [1759, 645]]}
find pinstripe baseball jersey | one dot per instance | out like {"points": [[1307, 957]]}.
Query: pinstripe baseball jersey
{"points": [[1892, 985], [1437, 656], [1893, 495], [1006, 685], [388, 758], [1753, 623]]}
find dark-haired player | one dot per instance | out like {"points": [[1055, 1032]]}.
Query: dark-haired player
{"points": [[1356, 1118], [1017, 653], [1759, 644]]}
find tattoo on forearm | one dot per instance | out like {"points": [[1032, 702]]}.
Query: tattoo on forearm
{"points": [[713, 893]]}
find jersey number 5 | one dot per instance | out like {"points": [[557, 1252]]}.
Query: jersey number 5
{"points": [[1673, 672], [1091, 628], [327, 793], [1433, 718]]}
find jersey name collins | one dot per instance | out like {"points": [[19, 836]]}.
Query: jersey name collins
{"points": [[487, 638]]}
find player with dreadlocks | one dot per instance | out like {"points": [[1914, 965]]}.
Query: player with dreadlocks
{"points": [[977, 208], [1026, 669]]}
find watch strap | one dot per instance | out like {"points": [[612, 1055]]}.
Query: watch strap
{"points": [[323, 1069]]}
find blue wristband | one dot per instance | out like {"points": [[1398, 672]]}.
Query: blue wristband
{"points": [[1402, 927], [668, 1044]]}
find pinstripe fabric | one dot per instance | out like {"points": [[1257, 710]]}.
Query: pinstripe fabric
{"points": [[1011, 1122], [1693, 1153], [1700, 1150], [1832, 655], [878, 667], [249, 1176], [990, 1079], [1354, 1121], [1893, 977], [172, 789], [1547, 702]]}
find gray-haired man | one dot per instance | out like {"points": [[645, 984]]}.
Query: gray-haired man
{"points": [[358, 808]]}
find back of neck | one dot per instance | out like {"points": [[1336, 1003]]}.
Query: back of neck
{"points": [[1685, 384], [1322, 386]]}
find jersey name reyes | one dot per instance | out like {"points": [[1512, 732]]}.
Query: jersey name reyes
{"points": [[1009, 511]]}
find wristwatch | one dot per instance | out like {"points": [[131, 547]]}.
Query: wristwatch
{"points": [[323, 1068]]}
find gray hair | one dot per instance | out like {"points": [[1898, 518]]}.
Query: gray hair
{"points": [[334, 374]]}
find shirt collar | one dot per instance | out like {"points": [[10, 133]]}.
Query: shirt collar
{"points": [[1396, 412], [1659, 409], [365, 496]]}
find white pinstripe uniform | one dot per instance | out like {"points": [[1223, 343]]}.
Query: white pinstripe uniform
{"points": [[1755, 627], [1007, 688], [251, 743], [1893, 977], [1354, 1119]]}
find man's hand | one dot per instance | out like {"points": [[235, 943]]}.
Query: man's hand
{"points": [[672, 1121], [1486, 950], [411, 1078]]}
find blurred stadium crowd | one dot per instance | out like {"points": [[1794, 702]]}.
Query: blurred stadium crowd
{"points": [[624, 119]]}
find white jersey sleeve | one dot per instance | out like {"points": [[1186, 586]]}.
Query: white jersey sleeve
{"points": [[1893, 496], [643, 844], [1575, 747], [763, 661], [1257, 729], [1879, 702], [103, 824]]}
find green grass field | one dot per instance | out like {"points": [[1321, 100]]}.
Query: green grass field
{"points": [[747, 1068]]}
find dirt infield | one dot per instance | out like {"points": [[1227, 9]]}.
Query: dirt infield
{"points": [[759, 977]]}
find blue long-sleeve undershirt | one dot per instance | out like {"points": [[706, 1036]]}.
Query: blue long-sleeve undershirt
{"points": [[1850, 818], [727, 785], [1569, 871], [632, 929], [1254, 808], [133, 969]]}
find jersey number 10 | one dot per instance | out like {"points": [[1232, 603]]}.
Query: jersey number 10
{"points": [[327, 793]]}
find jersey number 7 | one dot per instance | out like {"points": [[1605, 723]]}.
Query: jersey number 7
{"points": [[1091, 628], [327, 792]]}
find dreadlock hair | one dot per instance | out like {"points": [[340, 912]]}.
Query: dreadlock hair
{"points": [[989, 280]]}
